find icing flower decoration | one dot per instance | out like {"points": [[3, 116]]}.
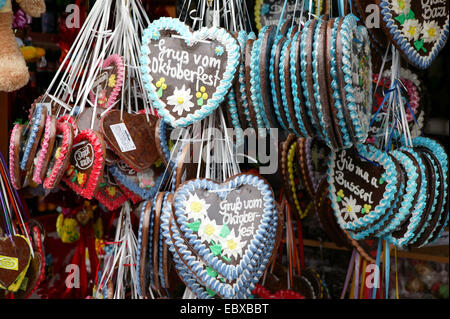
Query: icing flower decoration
{"points": [[181, 100], [350, 208], [111, 190], [81, 178], [196, 208], [401, 6], [219, 50], [102, 99], [146, 179], [201, 96], [340, 195], [58, 152], [112, 80], [366, 209], [232, 245], [430, 31], [412, 29], [209, 230], [161, 85], [156, 35]]}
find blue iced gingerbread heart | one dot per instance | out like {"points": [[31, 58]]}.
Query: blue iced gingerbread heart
{"points": [[187, 74]]}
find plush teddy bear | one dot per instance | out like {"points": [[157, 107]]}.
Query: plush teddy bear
{"points": [[13, 69]]}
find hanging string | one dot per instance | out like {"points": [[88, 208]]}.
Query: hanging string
{"points": [[387, 267], [349, 273], [357, 266], [363, 277]]}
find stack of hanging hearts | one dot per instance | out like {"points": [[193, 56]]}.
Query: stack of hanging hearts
{"points": [[153, 264], [296, 78], [221, 235], [304, 165], [399, 195], [22, 262], [313, 79], [98, 152], [298, 174]]}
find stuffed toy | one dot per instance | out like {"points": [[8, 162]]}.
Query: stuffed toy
{"points": [[13, 69]]}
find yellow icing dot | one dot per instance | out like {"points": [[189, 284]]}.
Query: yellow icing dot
{"points": [[209, 230], [180, 100], [196, 207], [412, 30], [162, 80], [202, 89], [158, 84], [231, 244], [112, 80], [401, 4], [58, 152], [164, 86], [198, 95], [431, 32], [205, 96], [349, 209]]}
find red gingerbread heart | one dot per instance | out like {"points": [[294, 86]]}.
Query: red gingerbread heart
{"points": [[87, 161]]}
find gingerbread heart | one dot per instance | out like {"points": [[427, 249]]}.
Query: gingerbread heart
{"points": [[33, 135], [85, 118], [16, 174], [32, 277], [226, 223], [108, 83], [109, 193], [363, 184], [45, 151], [59, 160], [14, 261], [419, 29], [145, 183], [187, 75], [131, 137], [87, 161]]}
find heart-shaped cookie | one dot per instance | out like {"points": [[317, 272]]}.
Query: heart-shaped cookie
{"points": [[213, 281], [187, 75], [59, 160], [226, 222], [14, 261], [33, 135], [36, 271], [354, 70], [363, 183], [419, 29], [45, 150], [108, 83], [87, 161], [85, 118], [109, 193], [145, 183], [131, 137], [16, 174]]}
